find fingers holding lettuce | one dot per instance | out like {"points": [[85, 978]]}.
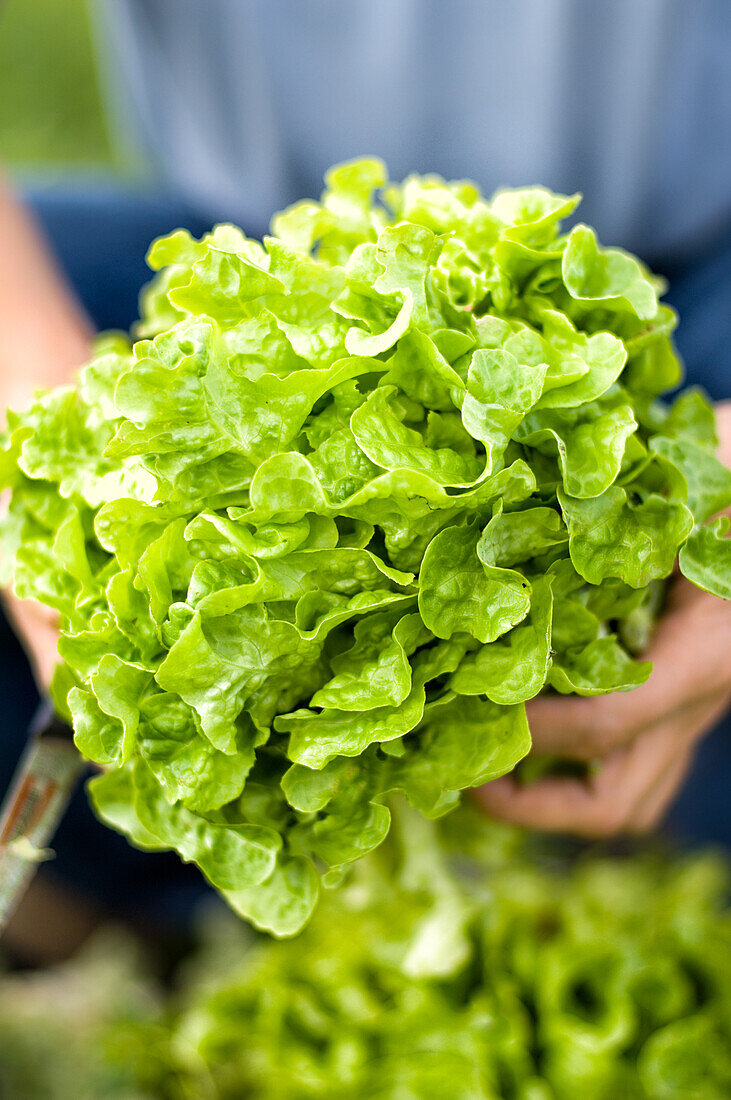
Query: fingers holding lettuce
{"points": [[639, 744]]}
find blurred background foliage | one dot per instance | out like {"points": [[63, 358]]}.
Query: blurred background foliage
{"points": [[51, 112]]}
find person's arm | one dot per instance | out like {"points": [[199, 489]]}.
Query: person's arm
{"points": [[44, 336], [644, 739], [44, 333]]}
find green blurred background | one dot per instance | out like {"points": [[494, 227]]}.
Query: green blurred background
{"points": [[51, 112]]}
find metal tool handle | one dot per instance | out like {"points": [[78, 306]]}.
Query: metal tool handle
{"points": [[34, 804]]}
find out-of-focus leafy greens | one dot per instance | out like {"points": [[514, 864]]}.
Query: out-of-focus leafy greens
{"points": [[456, 964], [55, 1024], [509, 980], [356, 495]]}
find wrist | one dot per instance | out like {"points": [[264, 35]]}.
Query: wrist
{"points": [[45, 332], [723, 424], [38, 356]]}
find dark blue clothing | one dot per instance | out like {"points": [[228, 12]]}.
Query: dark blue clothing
{"points": [[101, 236]]}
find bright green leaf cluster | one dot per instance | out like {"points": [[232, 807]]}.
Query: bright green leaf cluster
{"points": [[358, 493], [511, 978], [460, 962]]}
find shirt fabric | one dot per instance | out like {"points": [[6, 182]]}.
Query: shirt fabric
{"points": [[241, 105]]}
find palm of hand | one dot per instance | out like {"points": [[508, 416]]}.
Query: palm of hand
{"points": [[644, 740]]}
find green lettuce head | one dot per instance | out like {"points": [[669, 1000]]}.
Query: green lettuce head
{"points": [[357, 493]]}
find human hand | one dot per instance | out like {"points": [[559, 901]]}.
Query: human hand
{"points": [[45, 337], [37, 628], [643, 741]]}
